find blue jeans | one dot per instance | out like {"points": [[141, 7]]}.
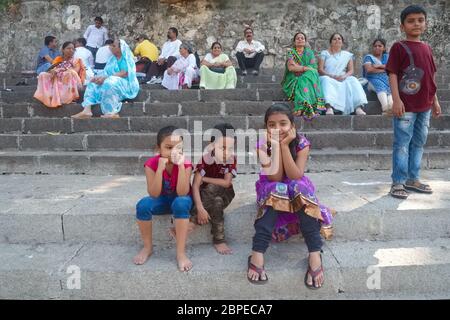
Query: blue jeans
{"points": [[164, 204], [410, 136], [43, 68]]}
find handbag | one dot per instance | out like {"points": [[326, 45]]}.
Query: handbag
{"points": [[217, 69], [410, 83]]}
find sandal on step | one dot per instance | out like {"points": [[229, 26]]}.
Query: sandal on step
{"points": [[417, 186], [398, 191], [259, 271], [314, 274]]}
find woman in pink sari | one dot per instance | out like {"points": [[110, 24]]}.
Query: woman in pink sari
{"points": [[59, 85]]}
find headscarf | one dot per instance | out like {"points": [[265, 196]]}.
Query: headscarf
{"points": [[131, 90]]}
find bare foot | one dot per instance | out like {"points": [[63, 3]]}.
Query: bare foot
{"points": [[315, 262], [142, 256], [173, 232], [258, 261], [184, 264], [82, 115], [222, 248]]}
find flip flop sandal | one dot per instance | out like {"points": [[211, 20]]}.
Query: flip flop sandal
{"points": [[259, 271], [313, 275], [398, 191], [419, 187]]}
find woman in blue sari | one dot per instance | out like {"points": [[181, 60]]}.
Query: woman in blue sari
{"points": [[117, 83], [374, 70]]}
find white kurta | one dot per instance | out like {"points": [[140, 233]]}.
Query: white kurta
{"points": [[186, 72], [347, 95]]}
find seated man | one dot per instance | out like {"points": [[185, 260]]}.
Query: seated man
{"points": [[146, 53], [250, 53], [86, 56], [47, 54], [102, 57]]}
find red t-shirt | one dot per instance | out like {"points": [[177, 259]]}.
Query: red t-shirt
{"points": [[423, 58], [209, 168], [169, 181]]}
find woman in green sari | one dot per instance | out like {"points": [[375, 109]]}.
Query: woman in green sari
{"points": [[301, 81]]}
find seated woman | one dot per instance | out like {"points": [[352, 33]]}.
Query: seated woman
{"points": [[217, 71], [183, 72], [301, 82], [374, 71], [118, 82], [60, 84], [342, 91]]}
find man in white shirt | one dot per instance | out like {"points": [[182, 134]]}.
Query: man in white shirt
{"points": [[169, 54], [86, 56], [96, 35], [83, 53], [103, 55], [249, 53]]}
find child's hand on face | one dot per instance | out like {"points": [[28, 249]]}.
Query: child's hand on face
{"points": [[162, 162], [177, 157], [291, 135], [202, 216]]}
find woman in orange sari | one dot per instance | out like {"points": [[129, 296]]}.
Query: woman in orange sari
{"points": [[59, 85]]}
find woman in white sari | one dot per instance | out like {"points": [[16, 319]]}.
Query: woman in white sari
{"points": [[342, 91], [183, 72]]}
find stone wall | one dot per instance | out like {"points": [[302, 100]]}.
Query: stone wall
{"points": [[24, 24]]}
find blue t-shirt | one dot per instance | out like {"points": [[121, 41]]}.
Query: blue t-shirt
{"points": [[46, 51]]}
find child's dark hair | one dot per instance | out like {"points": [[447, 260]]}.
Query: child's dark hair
{"points": [[164, 133], [285, 109], [382, 41], [411, 10], [226, 129]]}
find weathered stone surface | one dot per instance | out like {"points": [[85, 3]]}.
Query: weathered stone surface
{"points": [[274, 22]]}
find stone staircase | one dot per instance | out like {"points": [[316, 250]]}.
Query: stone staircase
{"points": [[69, 188]]}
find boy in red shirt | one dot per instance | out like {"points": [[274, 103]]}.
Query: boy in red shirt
{"points": [[411, 70], [212, 189]]}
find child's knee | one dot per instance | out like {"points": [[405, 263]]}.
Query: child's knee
{"points": [[144, 209], [181, 207]]}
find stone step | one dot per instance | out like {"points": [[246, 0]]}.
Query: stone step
{"points": [[94, 209], [353, 270], [196, 123], [163, 109], [131, 162], [340, 140], [24, 95]]}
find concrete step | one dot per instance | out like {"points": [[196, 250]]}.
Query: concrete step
{"points": [[25, 94], [340, 140], [353, 270], [197, 123], [131, 162], [94, 209]]}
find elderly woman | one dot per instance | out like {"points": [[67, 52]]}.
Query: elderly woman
{"points": [[342, 91], [375, 72], [118, 83], [183, 72], [217, 71], [301, 82], [60, 84]]}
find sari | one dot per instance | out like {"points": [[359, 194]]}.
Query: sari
{"points": [[304, 88], [213, 80], [60, 85], [114, 89]]}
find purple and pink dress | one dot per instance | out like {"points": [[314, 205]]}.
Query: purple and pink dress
{"points": [[288, 197]]}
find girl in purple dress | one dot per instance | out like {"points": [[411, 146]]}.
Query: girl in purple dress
{"points": [[286, 198]]}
